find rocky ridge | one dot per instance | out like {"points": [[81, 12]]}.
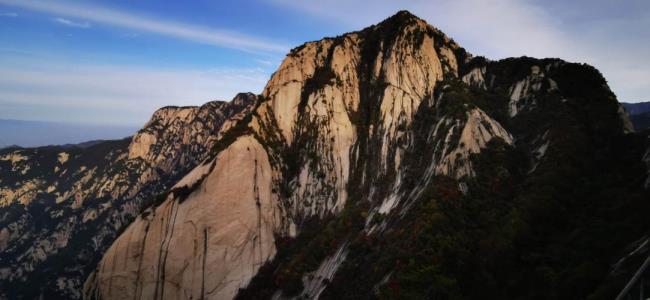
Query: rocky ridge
{"points": [[383, 163], [367, 137], [61, 207], [304, 142]]}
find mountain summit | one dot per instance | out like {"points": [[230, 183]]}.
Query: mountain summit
{"points": [[391, 163], [336, 114]]}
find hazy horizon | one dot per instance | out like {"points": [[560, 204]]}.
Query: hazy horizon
{"points": [[26, 133]]}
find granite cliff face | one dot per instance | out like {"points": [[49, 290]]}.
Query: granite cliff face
{"points": [[61, 207], [384, 163], [323, 113]]}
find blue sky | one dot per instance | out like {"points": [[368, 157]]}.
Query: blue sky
{"points": [[115, 62]]}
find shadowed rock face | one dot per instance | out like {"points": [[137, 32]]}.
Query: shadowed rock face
{"points": [[358, 144], [61, 207], [646, 158]]}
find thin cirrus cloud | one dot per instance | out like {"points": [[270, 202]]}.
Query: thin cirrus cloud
{"points": [[70, 23], [9, 14], [210, 36]]}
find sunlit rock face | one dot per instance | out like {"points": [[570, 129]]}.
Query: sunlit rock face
{"points": [[331, 104], [343, 97], [60, 208], [475, 132], [352, 131], [206, 245]]}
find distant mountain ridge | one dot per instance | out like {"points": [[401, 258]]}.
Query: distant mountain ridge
{"points": [[639, 114], [43, 133], [637, 107]]}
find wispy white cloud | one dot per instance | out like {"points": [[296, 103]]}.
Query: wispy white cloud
{"points": [[113, 94], [9, 14], [267, 63], [70, 23], [211, 36], [617, 46]]}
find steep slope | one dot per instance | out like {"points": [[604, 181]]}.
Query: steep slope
{"points": [[304, 144], [391, 163], [61, 207]]}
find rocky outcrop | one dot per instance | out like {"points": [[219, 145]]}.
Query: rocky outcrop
{"points": [[62, 207], [521, 93], [331, 104], [205, 246], [625, 117], [472, 136], [196, 128], [375, 137]]}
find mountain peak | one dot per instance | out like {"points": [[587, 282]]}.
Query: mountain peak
{"points": [[404, 24], [403, 16], [400, 20], [244, 98]]}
